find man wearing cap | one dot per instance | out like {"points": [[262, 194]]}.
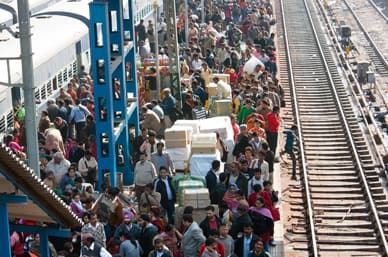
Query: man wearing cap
{"points": [[59, 165], [127, 226], [90, 248], [88, 167], [148, 232]]}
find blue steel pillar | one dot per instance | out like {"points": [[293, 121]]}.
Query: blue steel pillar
{"points": [[44, 243], [5, 246], [4, 231], [111, 50]]}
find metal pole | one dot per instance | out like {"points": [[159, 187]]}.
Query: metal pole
{"points": [[155, 5], [203, 11], [186, 23], [4, 231], [28, 85]]}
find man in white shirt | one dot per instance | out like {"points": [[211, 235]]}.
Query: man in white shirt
{"points": [[88, 166], [144, 173], [223, 89], [196, 63], [59, 165]]}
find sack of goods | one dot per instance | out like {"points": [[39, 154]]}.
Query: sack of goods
{"points": [[198, 198], [204, 143], [178, 137]]}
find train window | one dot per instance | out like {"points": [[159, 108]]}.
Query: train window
{"points": [[59, 79], [65, 78], [3, 127], [37, 94], [55, 85], [98, 34], [113, 21], [43, 93], [74, 68], [10, 119], [49, 88], [70, 71]]}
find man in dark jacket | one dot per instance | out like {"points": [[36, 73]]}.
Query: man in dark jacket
{"points": [[243, 218], [211, 181], [160, 250], [148, 232], [236, 177], [248, 238], [210, 222], [163, 185]]}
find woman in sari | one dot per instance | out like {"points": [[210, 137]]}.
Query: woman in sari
{"points": [[262, 220], [231, 197]]}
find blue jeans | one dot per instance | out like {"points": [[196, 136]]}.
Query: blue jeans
{"points": [[169, 210]]}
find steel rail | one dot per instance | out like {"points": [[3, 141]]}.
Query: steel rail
{"points": [[302, 158], [376, 217], [369, 38], [350, 141]]}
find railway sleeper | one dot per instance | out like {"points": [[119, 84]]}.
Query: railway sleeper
{"points": [[318, 151], [347, 240], [349, 254], [336, 196], [350, 247], [332, 173], [350, 230], [343, 224], [340, 216], [338, 202]]}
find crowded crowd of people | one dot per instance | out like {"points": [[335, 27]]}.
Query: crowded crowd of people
{"points": [[240, 220]]}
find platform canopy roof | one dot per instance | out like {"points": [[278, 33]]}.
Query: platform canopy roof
{"points": [[43, 204]]}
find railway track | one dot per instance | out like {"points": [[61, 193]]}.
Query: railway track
{"points": [[344, 205]]}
